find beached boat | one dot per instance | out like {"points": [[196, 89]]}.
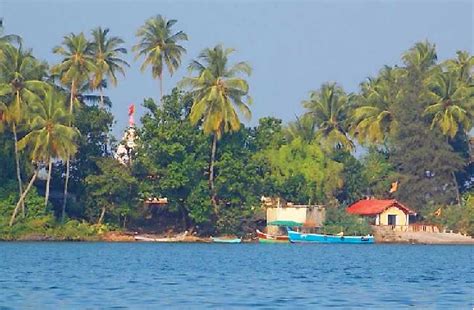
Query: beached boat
{"points": [[298, 237], [177, 238], [267, 238], [225, 240]]}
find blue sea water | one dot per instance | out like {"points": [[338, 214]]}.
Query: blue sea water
{"points": [[187, 276]]}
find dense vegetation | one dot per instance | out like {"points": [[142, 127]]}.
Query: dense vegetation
{"points": [[58, 176]]}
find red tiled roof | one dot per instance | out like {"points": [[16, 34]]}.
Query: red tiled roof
{"points": [[376, 206]]}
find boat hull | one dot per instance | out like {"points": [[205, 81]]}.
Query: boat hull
{"points": [[220, 240], [267, 238], [297, 237]]}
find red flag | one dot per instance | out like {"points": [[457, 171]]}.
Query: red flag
{"points": [[131, 109]]}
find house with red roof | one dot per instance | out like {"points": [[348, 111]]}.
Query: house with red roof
{"points": [[383, 211]]}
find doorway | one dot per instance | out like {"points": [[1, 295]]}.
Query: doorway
{"points": [[392, 219]]}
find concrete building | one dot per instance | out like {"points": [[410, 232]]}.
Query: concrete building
{"points": [[382, 212]]}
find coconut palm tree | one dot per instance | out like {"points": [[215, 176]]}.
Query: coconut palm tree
{"points": [[462, 65], [452, 103], [304, 127], [20, 81], [218, 91], [159, 45], [107, 52], [76, 67], [329, 107], [421, 56], [6, 39], [372, 116], [50, 136]]}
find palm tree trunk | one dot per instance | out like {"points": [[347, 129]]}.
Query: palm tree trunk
{"points": [[211, 173], [18, 172], [48, 181], [101, 93], [66, 183], [68, 160], [458, 194], [161, 87], [101, 217], [22, 197], [455, 181]]}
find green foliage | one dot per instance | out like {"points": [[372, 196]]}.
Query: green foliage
{"points": [[338, 220], [111, 191], [172, 157], [304, 169], [218, 91], [329, 106], [454, 217], [378, 172], [355, 180], [415, 119], [39, 223]]}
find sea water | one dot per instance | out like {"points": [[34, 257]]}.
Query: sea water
{"points": [[61, 275]]}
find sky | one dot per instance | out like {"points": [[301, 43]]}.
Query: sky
{"points": [[292, 46]]}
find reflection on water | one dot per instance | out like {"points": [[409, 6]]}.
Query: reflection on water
{"points": [[137, 275]]}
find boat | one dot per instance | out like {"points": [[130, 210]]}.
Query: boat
{"points": [[226, 240], [177, 238], [267, 238], [298, 237]]}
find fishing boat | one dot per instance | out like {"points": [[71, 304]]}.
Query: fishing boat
{"points": [[268, 238], [298, 237], [226, 240]]}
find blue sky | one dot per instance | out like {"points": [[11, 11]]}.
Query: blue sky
{"points": [[293, 46]]}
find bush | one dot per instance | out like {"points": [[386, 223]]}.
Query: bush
{"points": [[454, 217], [338, 220]]}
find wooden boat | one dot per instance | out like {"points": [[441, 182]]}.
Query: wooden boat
{"points": [[267, 238], [177, 238], [225, 240], [297, 237]]}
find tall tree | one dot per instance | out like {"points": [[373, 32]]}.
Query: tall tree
{"points": [[107, 52], [50, 132], [160, 46], [218, 91], [6, 39], [20, 81], [462, 65], [329, 107], [452, 103], [372, 117], [50, 137], [423, 158], [76, 67]]}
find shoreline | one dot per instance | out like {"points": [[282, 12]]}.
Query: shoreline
{"points": [[421, 238]]}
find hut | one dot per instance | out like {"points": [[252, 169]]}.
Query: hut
{"points": [[382, 211], [280, 213]]}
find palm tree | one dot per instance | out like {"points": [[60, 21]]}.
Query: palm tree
{"points": [[329, 107], [76, 68], [7, 38], [217, 92], [372, 117], [452, 103], [462, 65], [50, 137], [304, 127], [20, 82], [107, 52], [421, 56], [159, 45]]}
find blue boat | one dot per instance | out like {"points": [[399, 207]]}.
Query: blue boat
{"points": [[222, 240], [297, 237]]}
